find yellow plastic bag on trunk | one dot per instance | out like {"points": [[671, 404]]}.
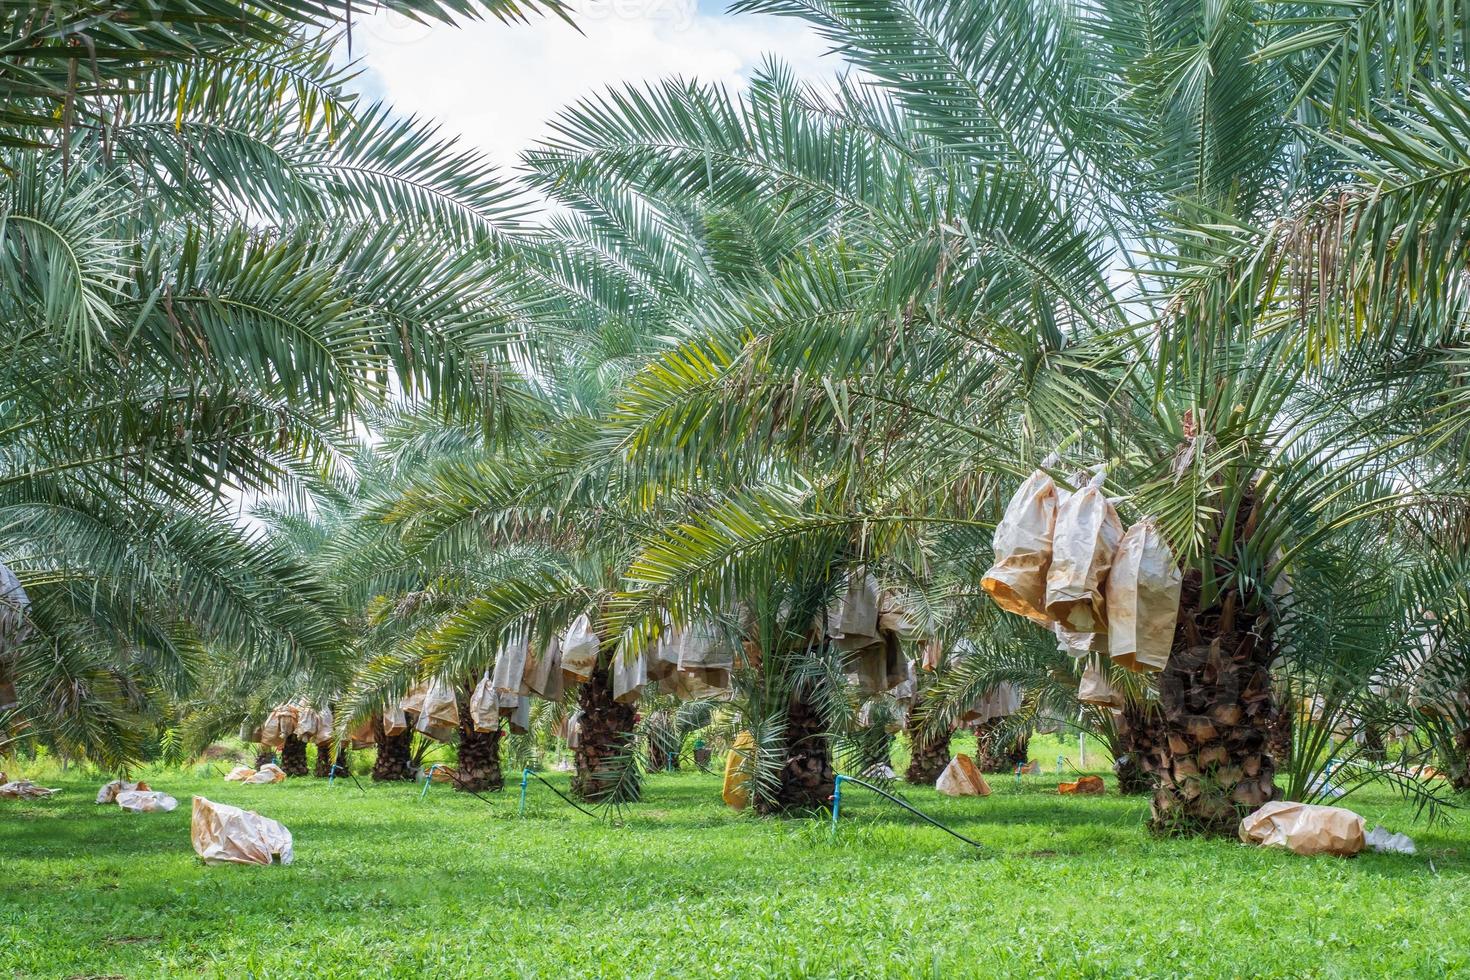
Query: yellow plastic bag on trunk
{"points": [[1143, 599], [226, 834], [1305, 829], [1023, 550], [962, 778], [1086, 535], [736, 790]]}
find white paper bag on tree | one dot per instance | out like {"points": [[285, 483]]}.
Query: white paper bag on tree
{"points": [[630, 674], [485, 706], [1096, 689], [1085, 536], [1023, 550], [1143, 599], [510, 667], [579, 650]]}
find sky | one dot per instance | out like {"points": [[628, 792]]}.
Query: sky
{"points": [[496, 85]]}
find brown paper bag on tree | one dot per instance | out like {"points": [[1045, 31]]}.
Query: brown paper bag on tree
{"points": [[1143, 599], [579, 650], [1305, 829], [439, 718], [1086, 535], [1023, 550], [227, 834], [962, 778], [395, 720], [364, 735]]}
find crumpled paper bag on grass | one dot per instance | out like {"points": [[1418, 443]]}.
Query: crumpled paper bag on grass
{"points": [[1380, 840], [1086, 786], [1305, 828], [1023, 550], [108, 793], [24, 789], [268, 773], [229, 835], [146, 801], [239, 774], [962, 778]]}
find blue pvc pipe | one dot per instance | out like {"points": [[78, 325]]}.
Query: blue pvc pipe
{"points": [[525, 775], [428, 778], [836, 800]]}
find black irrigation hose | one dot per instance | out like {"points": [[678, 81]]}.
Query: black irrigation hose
{"points": [[336, 769], [569, 800], [912, 809]]}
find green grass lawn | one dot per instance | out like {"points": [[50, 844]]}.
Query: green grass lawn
{"points": [[386, 885]]}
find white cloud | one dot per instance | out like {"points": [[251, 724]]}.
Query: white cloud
{"points": [[497, 85]]}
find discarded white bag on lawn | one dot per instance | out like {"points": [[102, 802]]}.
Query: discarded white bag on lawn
{"points": [[1023, 550], [1143, 599], [1305, 828], [229, 835], [24, 789], [962, 778], [1383, 842], [146, 801], [108, 793], [239, 774], [1084, 539]]}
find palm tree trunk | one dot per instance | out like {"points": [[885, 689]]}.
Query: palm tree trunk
{"points": [[606, 726], [928, 753], [807, 776], [322, 769], [1142, 748], [1460, 771], [1218, 714], [392, 764], [293, 757], [479, 753], [264, 755], [994, 753]]}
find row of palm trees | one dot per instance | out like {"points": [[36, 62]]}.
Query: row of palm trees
{"points": [[769, 343]]}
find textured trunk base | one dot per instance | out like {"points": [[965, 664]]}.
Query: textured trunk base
{"points": [[1218, 717], [662, 753], [322, 767], [994, 755], [392, 764], [293, 757], [1460, 771], [806, 778], [927, 759], [264, 755], [1142, 748], [602, 756], [478, 768]]}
